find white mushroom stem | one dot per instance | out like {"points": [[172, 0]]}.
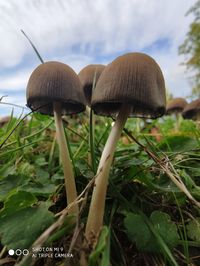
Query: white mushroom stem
{"points": [[96, 211], [70, 185], [178, 121]]}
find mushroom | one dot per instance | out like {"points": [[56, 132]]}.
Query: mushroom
{"points": [[54, 89], [89, 76], [130, 86], [4, 120], [176, 106], [192, 110]]}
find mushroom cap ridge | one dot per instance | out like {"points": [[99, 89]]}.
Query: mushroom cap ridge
{"points": [[135, 79], [54, 82]]}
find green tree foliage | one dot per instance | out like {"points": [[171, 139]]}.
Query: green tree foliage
{"points": [[191, 47]]}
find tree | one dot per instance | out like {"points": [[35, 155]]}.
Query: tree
{"points": [[191, 48]]}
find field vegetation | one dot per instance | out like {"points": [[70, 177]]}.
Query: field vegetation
{"points": [[152, 212]]}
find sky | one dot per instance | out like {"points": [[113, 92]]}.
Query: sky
{"points": [[82, 32]]}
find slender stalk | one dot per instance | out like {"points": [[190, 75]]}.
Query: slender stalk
{"points": [[96, 212], [70, 185], [91, 141], [33, 46], [177, 122], [91, 157]]}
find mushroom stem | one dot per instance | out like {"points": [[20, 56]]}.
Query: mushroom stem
{"points": [[178, 121], [96, 211], [70, 185]]}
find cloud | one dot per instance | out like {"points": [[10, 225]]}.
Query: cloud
{"points": [[102, 27], [14, 82]]}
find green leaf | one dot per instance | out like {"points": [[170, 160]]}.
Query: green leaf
{"points": [[22, 228], [17, 201], [57, 177], [40, 161], [137, 231], [9, 183], [101, 254], [179, 143], [7, 170], [42, 176], [193, 229], [165, 227], [40, 189]]}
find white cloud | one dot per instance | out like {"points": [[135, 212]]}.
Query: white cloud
{"points": [[114, 25], [15, 81]]}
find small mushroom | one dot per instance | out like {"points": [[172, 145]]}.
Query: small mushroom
{"points": [[176, 106], [4, 120], [192, 110], [54, 89], [130, 86], [88, 76]]}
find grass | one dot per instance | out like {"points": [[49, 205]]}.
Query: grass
{"points": [[148, 219]]}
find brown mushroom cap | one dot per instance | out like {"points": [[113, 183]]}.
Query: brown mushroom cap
{"points": [[176, 105], [135, 79], [192, 110], [87, 76], [54, 82]]}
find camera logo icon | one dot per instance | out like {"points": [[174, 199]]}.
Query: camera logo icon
{"points": [[18, 252]]}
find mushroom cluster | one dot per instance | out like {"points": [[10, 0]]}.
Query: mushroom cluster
{"points": [[130, 86]]}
